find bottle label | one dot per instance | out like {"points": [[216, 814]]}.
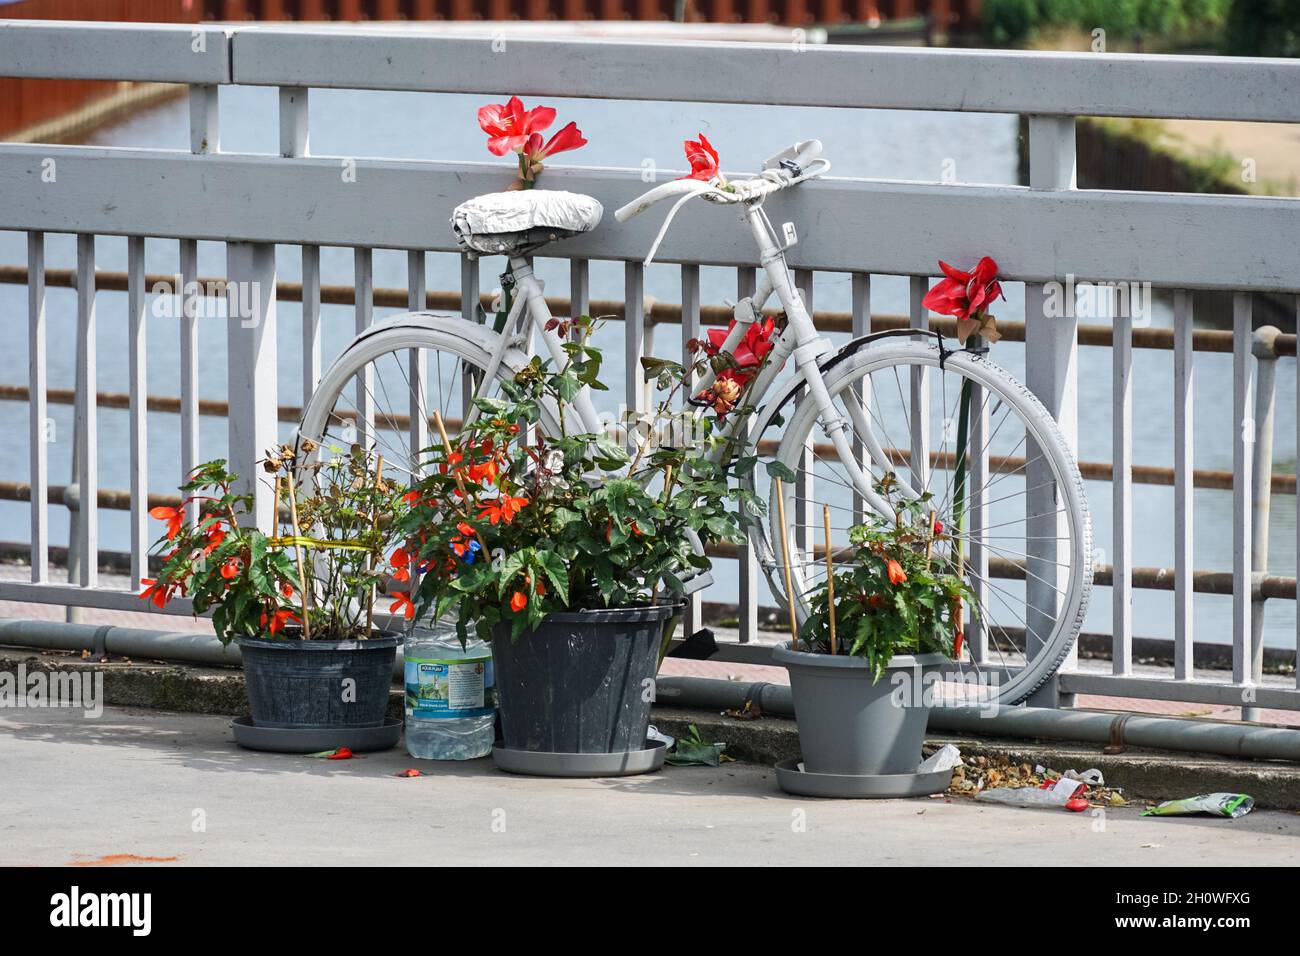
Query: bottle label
{"points": [[448, 689]]}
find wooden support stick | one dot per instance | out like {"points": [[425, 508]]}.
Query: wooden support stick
{"points": [[374, 526], [303, 591], [830, 574], [785, 558]]}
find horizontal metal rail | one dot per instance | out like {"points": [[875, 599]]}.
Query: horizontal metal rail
{"points": [[656, 313]]}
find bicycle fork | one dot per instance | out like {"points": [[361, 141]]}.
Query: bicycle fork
{"points": [[808, 350]]}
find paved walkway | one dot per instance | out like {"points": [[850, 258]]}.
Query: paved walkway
{"points": [[140, 787]]}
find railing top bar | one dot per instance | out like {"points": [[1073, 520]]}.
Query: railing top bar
{"points": [[784, 74], [155, 52], [421, 59], [1173, 240]]}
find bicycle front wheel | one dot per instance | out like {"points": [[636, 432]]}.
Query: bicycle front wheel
{"points": [[995, 472]]}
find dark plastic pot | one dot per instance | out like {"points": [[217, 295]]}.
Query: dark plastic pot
{"points": [[294, 683], [849, 724], [580, 682]]}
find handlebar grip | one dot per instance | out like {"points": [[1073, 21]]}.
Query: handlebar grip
{"points": [[806, 152]]}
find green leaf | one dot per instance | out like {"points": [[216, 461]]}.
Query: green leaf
{"points": [[776, 469]]}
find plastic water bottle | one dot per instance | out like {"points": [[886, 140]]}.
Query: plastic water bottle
{"points": [[450, 699]]}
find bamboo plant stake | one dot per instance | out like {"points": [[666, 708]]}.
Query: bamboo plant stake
{"points": [[297, 553], [830, 574], [374, 526], [785, 558]]}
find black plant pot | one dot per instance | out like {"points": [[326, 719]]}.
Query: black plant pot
{"points": [[581, 683], [297, 684]]}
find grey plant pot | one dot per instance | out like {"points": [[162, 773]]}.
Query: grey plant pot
{"points": [[294, 683], [579, 683], [849, 724]]}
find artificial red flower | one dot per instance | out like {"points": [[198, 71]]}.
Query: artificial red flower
{"points": [[402, 605], [964, 294], [896, 573], [750, 350], [509, 125], [566, 139], [703, 159], [275, 624], [518, 601], [502, 510], [174, 517]]}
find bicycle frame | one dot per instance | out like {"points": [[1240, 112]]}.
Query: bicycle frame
{"points": [[800, 340]]}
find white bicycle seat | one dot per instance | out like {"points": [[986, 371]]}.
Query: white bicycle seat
{"points": [[508, 221]]}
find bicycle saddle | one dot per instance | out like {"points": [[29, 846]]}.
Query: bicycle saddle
{"points": [[510, 222]]}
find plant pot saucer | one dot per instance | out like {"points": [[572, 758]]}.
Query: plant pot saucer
{"points": [[792, 779], [311, 740], [540, 764]]}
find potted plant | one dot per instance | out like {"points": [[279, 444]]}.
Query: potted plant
{"points": [[568, 552], [297, 600], [864, 670]]}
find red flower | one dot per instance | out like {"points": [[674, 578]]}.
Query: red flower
{"points": [[518, 601], [215, 536], [174, 517], [342, 753], [566, 139], [411, 498], [485, 471], [509, 125], [230, 569], [896, 573], [753, 348], [402, 605], [703, 159], [278, 620], [964, 294], [502, 510], [155, 592], [286, 589], [401, 560]]}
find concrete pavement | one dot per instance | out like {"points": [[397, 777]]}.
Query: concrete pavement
{"points": [[135, 786]]}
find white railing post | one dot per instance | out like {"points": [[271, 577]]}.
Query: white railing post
{"points": [[1051, 372], [37, 379], [251, 375], [1264, 348], [1184, 510], [746, 284], [1243, 485]]}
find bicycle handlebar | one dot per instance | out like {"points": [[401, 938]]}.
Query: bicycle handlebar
{"points": [[788, 167]]}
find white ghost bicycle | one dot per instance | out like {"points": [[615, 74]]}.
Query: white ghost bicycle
{"points": [[946, 422]]}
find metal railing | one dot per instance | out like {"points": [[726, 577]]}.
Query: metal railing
{"points": [[1177, 242]]}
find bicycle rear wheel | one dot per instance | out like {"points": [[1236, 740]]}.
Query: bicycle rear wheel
{"points": [[1013, 503], [382, 391]]}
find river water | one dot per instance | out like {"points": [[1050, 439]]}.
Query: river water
{"points": [[887, 144]]}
